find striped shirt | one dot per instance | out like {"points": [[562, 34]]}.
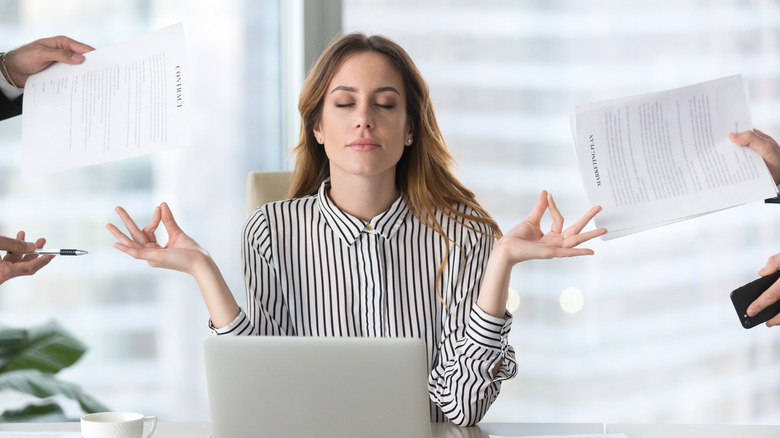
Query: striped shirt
{"points": [[311, 269]]}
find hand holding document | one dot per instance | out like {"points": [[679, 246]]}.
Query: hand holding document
{"points": [[662, 157], [123, 101]]}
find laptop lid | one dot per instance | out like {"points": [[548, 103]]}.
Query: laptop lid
{"points": [[290, 386]]}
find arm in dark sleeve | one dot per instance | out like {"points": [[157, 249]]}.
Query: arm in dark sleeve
{"points": [[10, 108]]}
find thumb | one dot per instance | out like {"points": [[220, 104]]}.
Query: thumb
{"points": [[167, 219], [66, 56], [742, 138], [74, 58], [772, 265]]}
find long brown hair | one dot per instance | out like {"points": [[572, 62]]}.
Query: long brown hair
{"points": [[424, 174]]}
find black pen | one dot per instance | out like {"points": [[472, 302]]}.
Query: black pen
{"points": [[63, 252]]}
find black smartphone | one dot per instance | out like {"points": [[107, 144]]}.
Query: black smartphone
{"points": [[743, 296]]}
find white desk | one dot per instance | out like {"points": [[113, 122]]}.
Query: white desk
{"points": [[164, 430], [445, 430], [438, 430], [448, 430], [694, 430]]}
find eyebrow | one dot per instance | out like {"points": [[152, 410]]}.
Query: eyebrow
{"points": [[354, 90]]}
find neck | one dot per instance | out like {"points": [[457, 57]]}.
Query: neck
{"points": [[364, 197]]}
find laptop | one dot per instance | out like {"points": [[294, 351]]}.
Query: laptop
{"points": [[314, 387]]}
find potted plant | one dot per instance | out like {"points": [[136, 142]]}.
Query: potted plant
{"points": [[29, 361]]}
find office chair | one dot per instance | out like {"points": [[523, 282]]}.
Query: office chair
{"points": [[265, 187]]}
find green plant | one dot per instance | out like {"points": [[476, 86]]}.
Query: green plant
{"points": [[29, 360]]}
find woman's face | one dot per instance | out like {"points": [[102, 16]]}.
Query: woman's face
{"points": [[363, 126]]}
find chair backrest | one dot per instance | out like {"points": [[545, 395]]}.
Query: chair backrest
{"points": [[265, 187]]}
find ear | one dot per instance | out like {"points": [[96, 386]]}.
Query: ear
{"points": [[409, 135], [317, 130]]}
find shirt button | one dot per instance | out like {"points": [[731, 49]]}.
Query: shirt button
{"points": [[369, 227]]}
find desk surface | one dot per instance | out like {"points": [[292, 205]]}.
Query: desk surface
{"points": [[445, 430], [164, 430], [694, 430], [438, 430]]}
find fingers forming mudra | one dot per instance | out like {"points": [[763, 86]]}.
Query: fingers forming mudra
{"points": [[571, 236], [138, 238], [180, 252], [529, 241]]}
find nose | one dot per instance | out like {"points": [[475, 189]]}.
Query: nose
{"points": [[364, 118]]}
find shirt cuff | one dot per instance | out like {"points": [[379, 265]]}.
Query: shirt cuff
{"points": [[230, 328], [9, 90], [487, 330]]}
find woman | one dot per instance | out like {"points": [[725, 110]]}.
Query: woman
{"points": [[379, 238]]}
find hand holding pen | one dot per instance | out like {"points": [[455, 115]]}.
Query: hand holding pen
{"points": [[20, 258]]}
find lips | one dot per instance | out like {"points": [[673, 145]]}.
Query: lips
{"points": [[363, 144]]}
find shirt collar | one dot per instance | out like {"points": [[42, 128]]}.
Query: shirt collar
{"points": [[349, 228]]}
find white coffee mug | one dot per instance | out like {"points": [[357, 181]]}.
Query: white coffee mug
{"points": [[116, 425]]}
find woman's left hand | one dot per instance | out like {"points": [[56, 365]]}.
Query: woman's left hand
{"points": [[527, 241]]}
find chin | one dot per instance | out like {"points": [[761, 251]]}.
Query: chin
{"points": [[366, 172]]}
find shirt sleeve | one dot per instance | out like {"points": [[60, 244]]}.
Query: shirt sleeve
{"points": [[8, 90], [461, 383], [266, 311], [10, 102]]}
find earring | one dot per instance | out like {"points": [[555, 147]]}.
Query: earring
{"points": [[409, 141], [319, 140]]}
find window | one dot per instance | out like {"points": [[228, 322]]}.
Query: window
{"points": [[656, 339], [143, 326]]}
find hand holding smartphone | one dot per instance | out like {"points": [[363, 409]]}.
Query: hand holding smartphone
{"points": [[743, 296]]}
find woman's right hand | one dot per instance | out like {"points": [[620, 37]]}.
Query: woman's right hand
{"points": [[180, 253]]}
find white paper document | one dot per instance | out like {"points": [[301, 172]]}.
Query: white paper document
{"points": [[662, 157], [123, 101]]}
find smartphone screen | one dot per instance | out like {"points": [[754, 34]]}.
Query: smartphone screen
{"points": [[743, 296]]}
